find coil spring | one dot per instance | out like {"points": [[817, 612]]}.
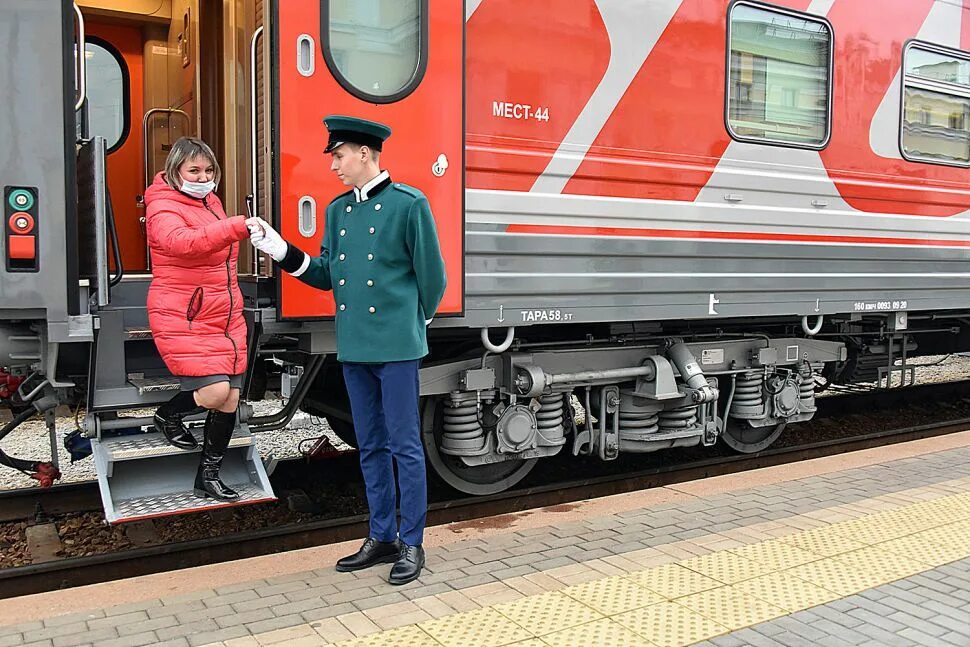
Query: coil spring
{"points": [[748, 397], [806, 388], [635, 424], [463, 433], [677, 419], [550, 418]]}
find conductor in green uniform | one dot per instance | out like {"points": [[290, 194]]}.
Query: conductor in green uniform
{"points": [[380, 256]]}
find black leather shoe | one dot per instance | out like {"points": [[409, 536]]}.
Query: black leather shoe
{"points": [[408, 566], [371, 553], [175, 432]]}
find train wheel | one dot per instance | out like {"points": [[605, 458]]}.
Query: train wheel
{"points": [[478, 480], [745, 439], [344, 430]]}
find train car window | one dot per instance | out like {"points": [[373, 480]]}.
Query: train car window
{"points": [[779, 76], [106, 105], [936, 105], [376, 49]]}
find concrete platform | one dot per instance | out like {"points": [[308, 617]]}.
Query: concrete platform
{"points": [[869, 548]]}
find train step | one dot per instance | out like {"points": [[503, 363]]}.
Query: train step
{"points": [[141, 476]]}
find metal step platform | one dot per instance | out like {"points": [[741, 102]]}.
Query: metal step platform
{"points": [[141, 476]]}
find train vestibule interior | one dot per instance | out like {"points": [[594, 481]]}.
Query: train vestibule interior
{"points": [[157, 70]]}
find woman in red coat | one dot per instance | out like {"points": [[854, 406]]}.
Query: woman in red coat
{"points": [[194, 304]]}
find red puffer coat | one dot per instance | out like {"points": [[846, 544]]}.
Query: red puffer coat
{"points": [[194, 302]]}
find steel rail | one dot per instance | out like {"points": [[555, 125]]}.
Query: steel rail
{"points": [[78, 571]]}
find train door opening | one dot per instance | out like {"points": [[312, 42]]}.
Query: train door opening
{"points": [[399, 62], [113, 108]]}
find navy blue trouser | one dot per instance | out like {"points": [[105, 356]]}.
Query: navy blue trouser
{"points": [[384, 405]]}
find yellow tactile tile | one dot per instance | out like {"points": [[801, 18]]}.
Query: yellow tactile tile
{"points": [[837, 577], [669, 624], [922, 549], [603, 632], [411, 636], [531, 642], [939, 511], [865, 531], [876, 561], [822, 541], [961, 501], [547, 612], [787, 591], [482, 628], [613, 595], [726, 566], [673, 580], [731, 607], [775, 554]]}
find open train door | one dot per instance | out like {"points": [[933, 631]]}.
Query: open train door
{"points": [[399, 62]]}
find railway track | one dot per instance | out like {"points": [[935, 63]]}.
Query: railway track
{"points": [[76, 571]]}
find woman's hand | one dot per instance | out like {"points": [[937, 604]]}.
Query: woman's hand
{"points": [[266, 239]]}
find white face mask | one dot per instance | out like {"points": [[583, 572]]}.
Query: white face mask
{"points": [[198, 189]]}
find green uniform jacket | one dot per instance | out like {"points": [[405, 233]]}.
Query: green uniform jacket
{"points": [[381, 258]]}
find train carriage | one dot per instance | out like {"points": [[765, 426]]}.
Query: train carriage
{"points": [[686, 215]]}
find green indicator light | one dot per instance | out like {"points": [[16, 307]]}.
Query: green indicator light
{"points": [[21, 200]]}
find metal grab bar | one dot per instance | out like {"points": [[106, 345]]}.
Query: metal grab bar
{"points": [[144, 134], [501, 348], [252, 118], [253, 125], [101, 219], [82, 65]]}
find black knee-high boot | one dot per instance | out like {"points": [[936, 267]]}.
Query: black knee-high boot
{"points": [[218, 431], [168, 420]]}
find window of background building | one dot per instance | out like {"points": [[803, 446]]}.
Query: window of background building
{"points": [[779, 79], [375, 47], [936, 103]]}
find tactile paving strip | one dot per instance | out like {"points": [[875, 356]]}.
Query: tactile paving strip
{"points": [[669, 624], [822, 542], [731, 607], [836, 577], [481, 628], [775, 554], [725, 566], [600, 632], [547, 612], [612, 595], [410, 636], [787, 591], [924, 550], [673, 580], [879, 562]]}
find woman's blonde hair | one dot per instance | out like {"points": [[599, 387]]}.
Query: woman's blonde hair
{"points": [[186, 148]]}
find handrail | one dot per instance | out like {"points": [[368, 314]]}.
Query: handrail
{"points": [[144, 134], [82, 65], [99, 146], [253, 124]]}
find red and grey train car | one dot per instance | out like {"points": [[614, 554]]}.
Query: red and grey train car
{"points": [[684, 214]]}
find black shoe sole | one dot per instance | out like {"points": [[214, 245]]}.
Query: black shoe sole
{"points": [[203, 494], [387, 559], [399, 581]]}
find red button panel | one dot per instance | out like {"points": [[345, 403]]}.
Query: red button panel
{"points": [[21, 228]]}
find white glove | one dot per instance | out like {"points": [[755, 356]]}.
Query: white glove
{"points": [[427, 322], [266, 239]]}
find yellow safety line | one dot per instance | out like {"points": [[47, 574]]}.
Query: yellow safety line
{"points": [[698, 598]]}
